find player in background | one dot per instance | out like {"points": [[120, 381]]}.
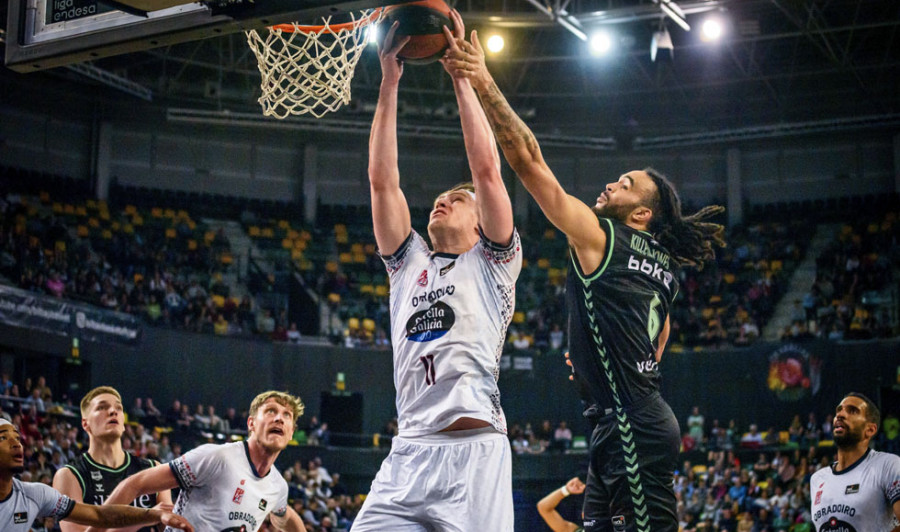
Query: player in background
{"points": [[95, 474], [232, 486], [861, 490], [21, 503], [625, 252], [450, 308]]}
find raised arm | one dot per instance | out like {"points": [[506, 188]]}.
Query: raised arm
{"points": [[157, 479], [491, 197], [390, 212], [520, 147], [547, 506]]}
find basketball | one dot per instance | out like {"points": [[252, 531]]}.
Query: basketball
{"points": [[423, 22]]}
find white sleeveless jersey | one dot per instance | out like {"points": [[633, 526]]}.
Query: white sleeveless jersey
{"points": [[859, 498], [449, 315]]}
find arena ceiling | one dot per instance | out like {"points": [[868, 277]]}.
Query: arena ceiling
{"points": [[780, 64]]}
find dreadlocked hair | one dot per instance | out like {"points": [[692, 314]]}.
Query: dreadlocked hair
{"points": [[688, 239]]}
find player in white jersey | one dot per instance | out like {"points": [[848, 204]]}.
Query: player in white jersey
{"points": [[860, 492], [234, 486], [450, 307], [23, 502]]}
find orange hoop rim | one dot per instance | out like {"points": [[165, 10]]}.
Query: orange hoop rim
{"points": [[329, 28]]}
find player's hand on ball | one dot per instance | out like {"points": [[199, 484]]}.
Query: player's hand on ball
{"points": [[466, 57], [575, 486], [391, 66]]}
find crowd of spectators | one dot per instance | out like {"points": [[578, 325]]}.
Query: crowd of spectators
{"points": [[851, 296], [149, 272], [52, 436]]}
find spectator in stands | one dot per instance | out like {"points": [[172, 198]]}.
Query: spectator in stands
{"points": [[293, 334], [752, 439], [562, 436], [695, 425], [137, 412]]}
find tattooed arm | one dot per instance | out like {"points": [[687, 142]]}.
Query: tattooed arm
{"points": [[522, 152]]}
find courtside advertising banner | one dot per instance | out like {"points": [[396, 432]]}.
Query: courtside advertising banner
{"points": [[20, 308]]}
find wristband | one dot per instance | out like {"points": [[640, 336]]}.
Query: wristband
{"points": [[564, 491]]}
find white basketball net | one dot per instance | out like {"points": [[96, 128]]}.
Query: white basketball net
{"points": [[309, 71]]}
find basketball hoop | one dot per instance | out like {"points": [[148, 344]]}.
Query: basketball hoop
{"points": [[308, 69]]}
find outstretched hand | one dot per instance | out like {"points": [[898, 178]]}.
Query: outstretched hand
{"points": [[465, 58], [391, 66], [458, 35]]}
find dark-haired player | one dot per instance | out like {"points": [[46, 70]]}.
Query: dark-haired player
{"points": [[95, 474], [21, 503], [861, 490], [622, 279]]}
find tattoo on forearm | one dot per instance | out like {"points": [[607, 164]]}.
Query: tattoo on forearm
{"points": [[510, 130]]}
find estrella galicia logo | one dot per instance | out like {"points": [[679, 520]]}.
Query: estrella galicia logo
{"points": [[836, 525], [20, 517], [430, 324], [618, 522], [262, 504]]}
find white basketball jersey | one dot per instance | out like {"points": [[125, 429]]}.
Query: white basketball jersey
{"points": [[29, 501], [859, 498], [449, 315], [221, 489]]}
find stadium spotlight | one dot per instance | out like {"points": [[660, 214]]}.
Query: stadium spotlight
{"points": [[711, 30], [372, 34], [600, 43], [495, 43]]}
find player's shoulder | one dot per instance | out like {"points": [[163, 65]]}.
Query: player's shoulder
{"points": [[35, 490], [880, 459], [821, 475]]}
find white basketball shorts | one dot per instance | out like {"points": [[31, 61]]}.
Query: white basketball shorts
{"points": [[458, 481]]}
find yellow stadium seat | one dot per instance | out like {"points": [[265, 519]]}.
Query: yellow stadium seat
{"points": [[369, 324], [170, 232], [284, 224], [80, 211], [60, 245], [128, 228], [381, 290], [130, 209], [227, 258], [370, 249], [367, 289], [218, 300], [776, 265], [156, 212], [287, 243], [341, 238], [345, 258], [253, 231], [169, 213], [331, 266], [729, 278], [192, 244], [138, 220], [543, 263], [268, 232], [93, 222], [356, 248], [334, 298], [69, 208], [106, 234], [518, 317], [359, 258], [353, 324], [296, 254], [82, 231], [549, 234], [57, 207]]}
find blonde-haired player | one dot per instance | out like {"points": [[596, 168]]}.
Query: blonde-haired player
{"points": [[91, 477], [232, 486], [450, 307]]}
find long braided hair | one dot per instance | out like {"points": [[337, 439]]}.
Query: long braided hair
{"points": [[688, 239]]}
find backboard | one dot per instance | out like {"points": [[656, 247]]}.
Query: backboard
{"points": [[50, 33]]}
